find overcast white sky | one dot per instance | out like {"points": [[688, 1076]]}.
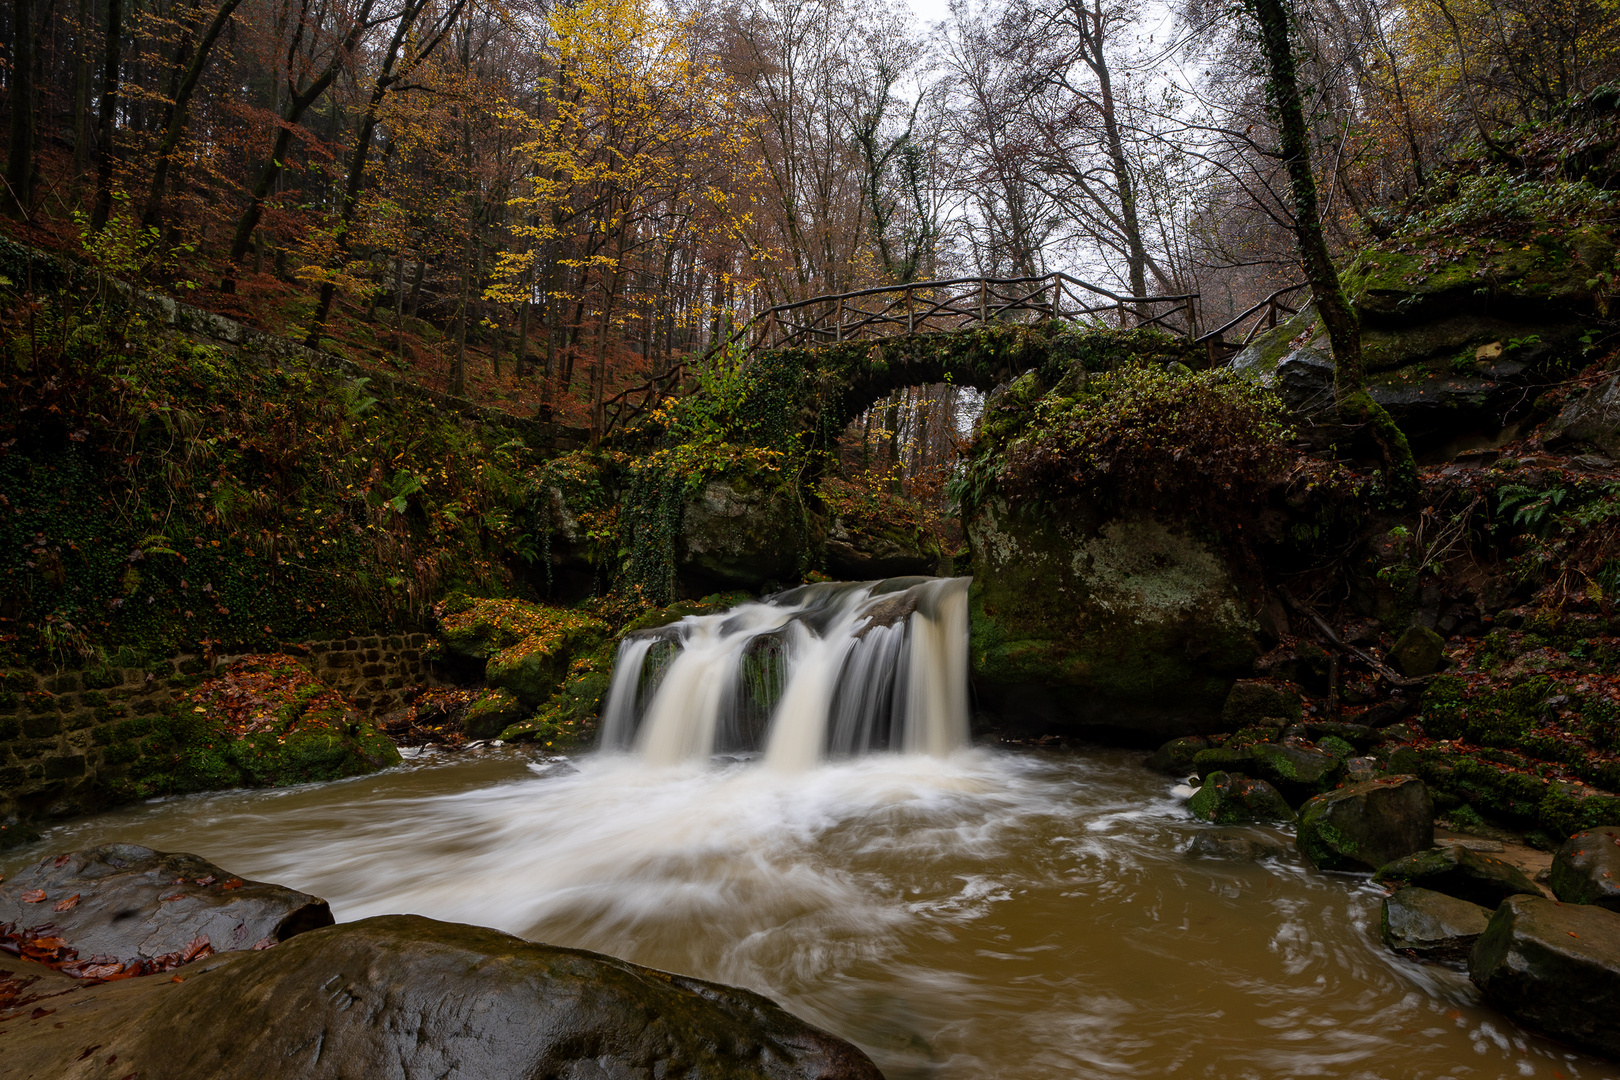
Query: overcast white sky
{"points": [[930, 12]]}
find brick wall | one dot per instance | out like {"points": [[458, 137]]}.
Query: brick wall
{"points": [[55, 727]]}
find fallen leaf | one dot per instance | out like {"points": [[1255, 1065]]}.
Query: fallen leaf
{"points": [[68, 904], [34, 896], [178, 978], [233, 883], [209, 880], [176, 896]]}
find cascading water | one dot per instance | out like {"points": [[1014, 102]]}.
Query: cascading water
{"points": [[826, 670]]}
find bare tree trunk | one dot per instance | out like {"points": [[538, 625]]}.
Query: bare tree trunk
{"points": [[81, 91], [177, 113], [1282, 91], [109, 116]]}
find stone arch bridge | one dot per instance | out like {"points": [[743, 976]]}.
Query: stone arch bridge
{"points": [[924, 332]]}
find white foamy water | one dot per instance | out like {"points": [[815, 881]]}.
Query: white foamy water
{"points": [[975, 915], [830, 669]]}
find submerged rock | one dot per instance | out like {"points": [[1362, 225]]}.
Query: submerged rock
{"points": [[400, 997], [1457, 871], [1363, 826], [122, 904], [1431, 925], [1231, 798], [1554, 967], [1235, 845], [1586, 869]]}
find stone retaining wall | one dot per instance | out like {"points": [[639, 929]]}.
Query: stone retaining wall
{"points": [[55, 727]]}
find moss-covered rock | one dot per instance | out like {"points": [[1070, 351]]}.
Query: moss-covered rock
{"points": [[1176, 756], [263, 721], [1418, 651], [1363, 826], [493, 712], [1457, 871], [1299, 772], [1127, 624], [1232, 798], [743, 531], [526, 647], [1222, 759], [1255, 701]]}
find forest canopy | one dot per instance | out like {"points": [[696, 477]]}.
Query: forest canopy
{"points": [[590, 193]]}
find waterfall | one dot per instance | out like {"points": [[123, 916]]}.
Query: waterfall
{"points": [[826, 670]]}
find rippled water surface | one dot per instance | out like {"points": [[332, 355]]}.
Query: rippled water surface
{"points": [[986, 915]]}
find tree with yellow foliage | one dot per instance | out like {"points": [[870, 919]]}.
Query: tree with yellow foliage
{"points": [[635, 145]]}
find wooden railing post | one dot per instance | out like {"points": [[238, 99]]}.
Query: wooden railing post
{"points": [[838, 320], [911, 327], [984, 301]]}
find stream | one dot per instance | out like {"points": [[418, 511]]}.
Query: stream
{"points": [[983, 914]]}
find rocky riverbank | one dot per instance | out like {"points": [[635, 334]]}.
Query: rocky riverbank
{"points": [[128, 962]]}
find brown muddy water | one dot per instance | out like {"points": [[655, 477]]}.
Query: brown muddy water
{"points": [[981, 915]]}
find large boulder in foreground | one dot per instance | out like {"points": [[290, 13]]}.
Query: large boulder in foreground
{"points": [[1586, 869], [1456, 871], [1431, 925], [123, 908], [400, 997], [1126, 627], [1363, 826], [1554, 967]]}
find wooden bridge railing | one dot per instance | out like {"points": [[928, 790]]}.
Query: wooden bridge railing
{"points": [[957, 304]]}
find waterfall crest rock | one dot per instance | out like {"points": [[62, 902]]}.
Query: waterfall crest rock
{"points": [[401, 997]]}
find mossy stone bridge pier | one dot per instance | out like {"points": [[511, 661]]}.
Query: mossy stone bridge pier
{"points": [[892, 326]]}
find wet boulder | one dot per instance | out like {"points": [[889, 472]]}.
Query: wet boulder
{"points": [[1456, 871], [1586, 869], [1297, 771], [1553, 967], [493, 712], [121, 906], [1175, 757], [1363, 826], [1232, 798], [401, 997], [1431, 925]]}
